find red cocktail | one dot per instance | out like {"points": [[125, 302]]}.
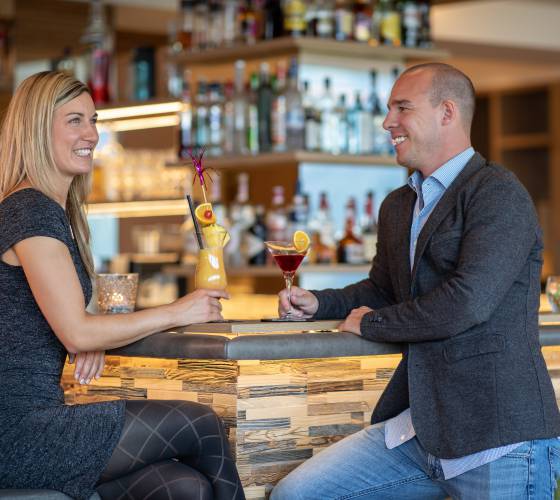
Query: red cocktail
{"points": [[287, 258]]}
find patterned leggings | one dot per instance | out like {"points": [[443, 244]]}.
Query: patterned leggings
{"points": [[170, 450]]}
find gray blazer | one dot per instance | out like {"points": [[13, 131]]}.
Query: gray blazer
{"points": [[472, 371]]}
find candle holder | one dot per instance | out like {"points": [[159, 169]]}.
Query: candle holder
{"points": [[116, 293]]}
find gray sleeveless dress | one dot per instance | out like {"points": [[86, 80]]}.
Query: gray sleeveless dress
{"points": [[43, 442]]}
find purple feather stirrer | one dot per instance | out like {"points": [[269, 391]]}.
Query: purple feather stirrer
{"points": [[200, 170]]}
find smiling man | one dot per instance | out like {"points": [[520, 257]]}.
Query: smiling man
{"points": [[470, 411]]}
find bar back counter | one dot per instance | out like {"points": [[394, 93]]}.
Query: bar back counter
{"points": [[283, 396]]}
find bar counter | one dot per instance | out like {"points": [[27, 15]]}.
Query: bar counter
{"points": [[283, 396]]}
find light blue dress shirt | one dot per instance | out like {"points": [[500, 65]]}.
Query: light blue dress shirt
{"points": [[429, 191]]}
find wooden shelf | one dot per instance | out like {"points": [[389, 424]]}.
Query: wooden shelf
{"points": [[308, 45], [147, 208], [154, 258], [295, 157], [524, 141], [186, 270]]}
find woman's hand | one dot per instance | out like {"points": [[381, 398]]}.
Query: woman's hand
{"points": [[199, 306], [89, 365]]}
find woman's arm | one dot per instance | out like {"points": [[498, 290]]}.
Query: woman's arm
{"points": [[54, 283]]}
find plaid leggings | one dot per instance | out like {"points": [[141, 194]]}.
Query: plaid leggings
{"points": [[170, 450]]}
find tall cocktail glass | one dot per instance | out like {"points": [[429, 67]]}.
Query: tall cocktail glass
{"points": [[288, 259], [210, 269]]}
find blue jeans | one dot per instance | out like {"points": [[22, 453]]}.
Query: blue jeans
{"points": [[361, 467]]}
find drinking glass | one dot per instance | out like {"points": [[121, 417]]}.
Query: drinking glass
{"points": [[553, 292], [116, 293], [288, 259], [210, 269]]}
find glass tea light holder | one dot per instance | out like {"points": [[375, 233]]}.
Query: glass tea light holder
{"points": [[553, 293], [116, 293]]}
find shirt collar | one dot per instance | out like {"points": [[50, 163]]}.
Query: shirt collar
{"points": [[445, 174]]}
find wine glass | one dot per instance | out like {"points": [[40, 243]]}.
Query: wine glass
{"points": [[288, 259]]}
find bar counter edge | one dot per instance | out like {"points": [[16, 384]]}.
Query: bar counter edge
{"points": [[173, 344]]}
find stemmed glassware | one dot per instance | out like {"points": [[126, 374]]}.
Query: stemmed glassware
{"points": [[287, 258]]}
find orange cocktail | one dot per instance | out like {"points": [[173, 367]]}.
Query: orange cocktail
{"points": [[210, 270]]}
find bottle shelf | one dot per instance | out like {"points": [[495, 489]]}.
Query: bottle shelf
{"points": [[309, 45], [294, 157], [187, 271]]}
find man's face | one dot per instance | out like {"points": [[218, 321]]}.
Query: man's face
{"points": [[414, 123]]}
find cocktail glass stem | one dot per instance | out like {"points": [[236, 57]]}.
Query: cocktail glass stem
{"points": [[289, 277]]}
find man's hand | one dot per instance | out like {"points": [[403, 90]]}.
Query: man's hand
{"points": [[89, 365], [303, 303], [353, 320]]}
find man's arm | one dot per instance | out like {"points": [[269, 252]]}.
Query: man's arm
{"points": [[500, 229]]}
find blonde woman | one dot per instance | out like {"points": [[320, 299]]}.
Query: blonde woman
{"points": [[121, 449]]}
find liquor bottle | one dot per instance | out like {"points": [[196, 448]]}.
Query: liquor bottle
{"points": [[255, 237], [276, 219], [298, 212], [248, 22], [230, 13], [143, 65], [381, 139], [390, 29], [242, 217], [215, 23], [294, 18], [324, 27], [360, 140], [173, 74], [65, 63], [295, 116], [329, 122], [311, 19], [253, 115], [350, 248], [273, 20], [200, 25], [312, 120], [228, 119], [343, 20], [425, 38], [240, 110], [185, 35], [202, 131], [411, 23], [215, 119], [185, 119], [321, 226], [264, 106], [341, 117], [369, 228], [279, 110], [362, 20], [100, 42]]}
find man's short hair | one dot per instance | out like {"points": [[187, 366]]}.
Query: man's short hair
{"points": [[450, 83]]}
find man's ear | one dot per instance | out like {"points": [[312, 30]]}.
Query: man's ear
{"points": [[450, 111]]}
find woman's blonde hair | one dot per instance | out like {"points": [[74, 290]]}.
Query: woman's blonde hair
{"points": [[26, 150]]}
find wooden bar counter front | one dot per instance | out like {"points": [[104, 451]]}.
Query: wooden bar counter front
{"points": [[283, 396]]}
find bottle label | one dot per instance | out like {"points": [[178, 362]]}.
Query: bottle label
{"points": [[294, 16], [391, 28], [354, 253]]}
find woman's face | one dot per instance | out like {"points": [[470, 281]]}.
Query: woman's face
{"points": [[74, 135]]}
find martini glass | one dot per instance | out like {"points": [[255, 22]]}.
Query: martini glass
{"points": [[288, 259]]}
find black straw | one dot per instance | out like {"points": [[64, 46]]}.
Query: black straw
{"points": [[195, 222]]}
